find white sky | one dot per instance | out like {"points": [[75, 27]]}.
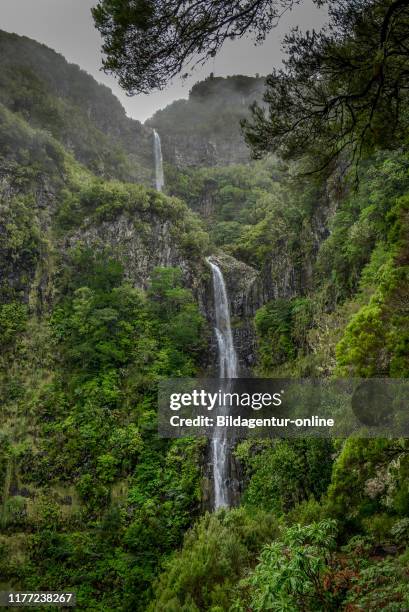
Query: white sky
{"points": [[67, 27]]}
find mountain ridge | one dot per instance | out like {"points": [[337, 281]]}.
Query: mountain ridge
{"points": [[85, 116]]}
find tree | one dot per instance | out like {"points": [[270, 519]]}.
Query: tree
{"points": [[294, 574], [343, 90], [148, 42]]}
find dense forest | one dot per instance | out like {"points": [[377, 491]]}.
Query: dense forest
{"points": [[105, 291]]}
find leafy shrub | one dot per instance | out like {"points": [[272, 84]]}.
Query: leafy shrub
{"points": [[400, 530], [13, 319], [381, 586], [287, 473], [293, 572], [215, 553], [14, 513]]}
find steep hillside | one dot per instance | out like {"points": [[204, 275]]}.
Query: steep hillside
{"points": [[105, 291], [205, 129], [44, 89], [98, 299], [51, 202]]}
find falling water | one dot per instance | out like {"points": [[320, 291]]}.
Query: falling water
{"points": [[157, 149], [227, 369]]}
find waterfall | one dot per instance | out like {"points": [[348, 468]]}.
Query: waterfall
{"points": [[157, 150], [228, 368]]}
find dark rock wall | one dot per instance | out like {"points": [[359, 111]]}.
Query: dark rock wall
{"points": [[193, 151]]}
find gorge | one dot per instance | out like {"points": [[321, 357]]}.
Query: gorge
{"points": [[132, 253]]}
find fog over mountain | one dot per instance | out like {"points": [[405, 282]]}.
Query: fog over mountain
{"points": [[67, 27]]}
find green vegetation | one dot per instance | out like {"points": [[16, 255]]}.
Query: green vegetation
{"points": [[95, 424], [251, 211], [101, 283], [285, 474], [40, 86], [292, 573], [97, 498], [352, 318], [282, 324], [302, 569], [208, 123], [216, 552]]}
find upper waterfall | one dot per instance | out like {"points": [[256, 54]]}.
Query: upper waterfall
{"points": [[157, 150]]}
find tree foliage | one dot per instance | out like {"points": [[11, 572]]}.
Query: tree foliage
{"points": [[344, 90], [148, 42], [291, 573], [286, 473], [215, 553]]}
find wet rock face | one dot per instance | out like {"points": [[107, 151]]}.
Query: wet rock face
{"points": [[204, 130], [141, 244], [282, 277], [190, 151]]}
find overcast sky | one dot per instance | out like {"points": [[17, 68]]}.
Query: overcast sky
{"points": [[67, 27]]}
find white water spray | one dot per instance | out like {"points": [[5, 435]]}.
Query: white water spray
{"points": [[157, 150], [228, 368]]}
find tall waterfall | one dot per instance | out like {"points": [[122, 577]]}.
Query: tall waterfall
{"points": [[228, 368], [157, 150]]}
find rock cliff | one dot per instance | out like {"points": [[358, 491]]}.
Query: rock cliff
{"points": [[205, 129]]}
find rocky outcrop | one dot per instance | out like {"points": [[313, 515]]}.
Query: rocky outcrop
{"points": [[204, 130], [281, 278], [144, 243], [25, 246], [140, 244]]}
